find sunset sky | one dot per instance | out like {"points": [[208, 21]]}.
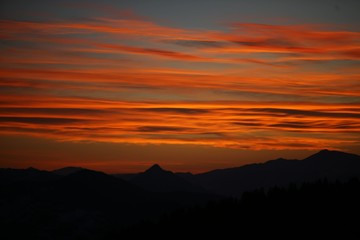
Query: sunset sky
{"points": [[193, 85]]}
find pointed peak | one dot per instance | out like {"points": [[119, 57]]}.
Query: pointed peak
{"points": [[155, 167]]}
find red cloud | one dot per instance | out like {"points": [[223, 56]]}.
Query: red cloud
{"points": [[254, 72], [152, 51]]}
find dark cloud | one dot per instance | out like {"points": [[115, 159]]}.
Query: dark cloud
{"points": [[214, 134], [347, 125], [103, 129], [51, 111], [292, 145], [161, 129], [175, 110], [28, 130], [41, 120], [247, 124], [291, 125], [353, 53], [133, 86], [305, 113], [199, 43], [152, 51], [272, 42]]}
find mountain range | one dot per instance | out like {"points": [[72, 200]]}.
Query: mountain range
{"points": [[333, 165], [78, 203], [156, 179]]}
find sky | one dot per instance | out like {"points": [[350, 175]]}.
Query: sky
{"points": [[192, 85]]}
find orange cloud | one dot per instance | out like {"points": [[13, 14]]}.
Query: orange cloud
{"points": [[125, 27], [228, 124], [246, 88], [152, 51], [247, 40], [303, 84], [308, 41]]}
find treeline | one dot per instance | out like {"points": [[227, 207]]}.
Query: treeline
{"points": [[312, 210]]}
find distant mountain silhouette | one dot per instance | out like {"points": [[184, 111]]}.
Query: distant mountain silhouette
{"points": [[156, 169], [328, 155], [28, 176], [280, 172], [84, 204], [77, 203], [67, 170], [94, 182], [156, 179]]}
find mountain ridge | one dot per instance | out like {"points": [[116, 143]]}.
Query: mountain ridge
{"points": [[88, 200], [280, 172], [156, 179], [228, 181]]}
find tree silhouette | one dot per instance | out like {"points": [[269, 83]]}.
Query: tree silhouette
{"points": [[320, 209]]}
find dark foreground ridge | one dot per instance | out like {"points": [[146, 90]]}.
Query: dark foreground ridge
{"points": [[78, 203], [319, 210]]}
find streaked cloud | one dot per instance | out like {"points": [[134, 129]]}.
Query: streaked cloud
{"points": [[244, 125], [199, 43], [152, 51], [132, 80]]}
